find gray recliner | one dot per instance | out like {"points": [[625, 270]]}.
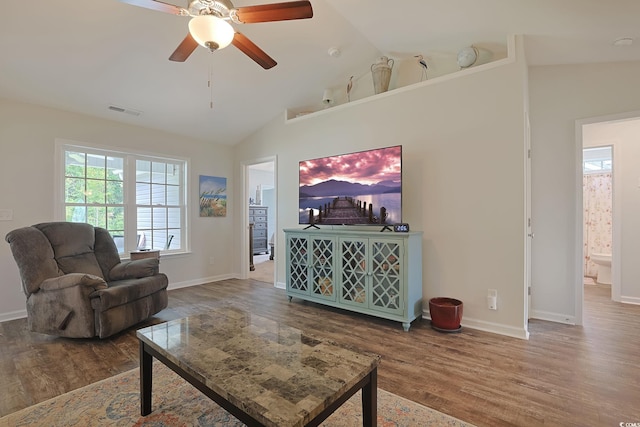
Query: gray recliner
{"points": [[76, 285]]}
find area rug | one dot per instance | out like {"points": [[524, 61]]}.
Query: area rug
{"points": [[116, 402]]}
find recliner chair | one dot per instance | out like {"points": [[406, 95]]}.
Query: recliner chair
{"points": [[77, 286]]}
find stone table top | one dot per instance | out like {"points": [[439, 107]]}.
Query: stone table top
{"points": [[275, 373]]}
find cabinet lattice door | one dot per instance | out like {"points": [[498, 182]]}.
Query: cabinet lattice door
{"points": [[371, 274], [311, 266], [353, 278], [322, 268], [298, 264], [386, 282]]}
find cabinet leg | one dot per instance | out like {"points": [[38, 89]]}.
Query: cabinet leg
{"points": [[406, 326], [290, 298]]}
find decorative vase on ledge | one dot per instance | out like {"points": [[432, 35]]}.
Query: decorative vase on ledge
{"points": [[381, 73]]}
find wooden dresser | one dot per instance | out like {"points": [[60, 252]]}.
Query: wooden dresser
{"points": [[258, 217]]}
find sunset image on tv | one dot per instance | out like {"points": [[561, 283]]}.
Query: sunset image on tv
{"points": [[356, 188]]}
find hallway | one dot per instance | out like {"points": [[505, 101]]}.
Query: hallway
{"points": [[263, 268]]}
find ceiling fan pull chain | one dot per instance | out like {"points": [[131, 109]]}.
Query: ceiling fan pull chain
{"points": [[211, 84]]}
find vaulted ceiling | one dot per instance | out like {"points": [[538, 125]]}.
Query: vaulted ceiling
{"points": [[85, 56]]}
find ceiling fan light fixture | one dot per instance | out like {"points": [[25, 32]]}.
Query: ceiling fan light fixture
{"points": [[211, 32]]}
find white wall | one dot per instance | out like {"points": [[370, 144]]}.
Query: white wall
{"points": [[463, 179], [624, 136], [27, 135], [560, 95]]}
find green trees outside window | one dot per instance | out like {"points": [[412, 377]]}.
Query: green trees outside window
{"points": [[94, 190]]}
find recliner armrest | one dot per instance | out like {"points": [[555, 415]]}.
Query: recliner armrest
{"points": [[135, 269], [73, 279]]}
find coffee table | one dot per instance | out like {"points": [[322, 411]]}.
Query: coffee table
{"points": [[262, 372]]}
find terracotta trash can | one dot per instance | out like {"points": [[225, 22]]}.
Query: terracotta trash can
{"points": [[446, 314]]}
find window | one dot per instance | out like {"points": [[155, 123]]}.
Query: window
{"points": [[158, 207], [139, 199], [597, 160]]}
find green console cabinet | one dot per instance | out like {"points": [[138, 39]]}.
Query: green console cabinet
{"points": [[369, 272]]}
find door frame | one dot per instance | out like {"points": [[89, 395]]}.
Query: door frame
{"points": [[244, 225], [616, 273], [529, 235]]}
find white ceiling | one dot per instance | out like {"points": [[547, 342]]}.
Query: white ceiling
{"points": [[83, 56]]}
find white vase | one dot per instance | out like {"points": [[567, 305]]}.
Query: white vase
{"points": [[381, 73]]}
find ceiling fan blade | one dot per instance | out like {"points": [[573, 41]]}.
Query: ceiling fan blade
{"points": [[185, 49], [275, 12], [250, 49], [155, 5]]}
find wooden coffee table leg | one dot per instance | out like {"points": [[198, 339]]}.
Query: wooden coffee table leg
{"points": [[146, 363], [370, 400]]}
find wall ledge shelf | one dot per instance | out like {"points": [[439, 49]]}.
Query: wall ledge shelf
{"points": [[294, 115]]}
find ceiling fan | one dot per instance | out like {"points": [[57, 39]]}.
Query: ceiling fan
{"points": [[210, 27]]}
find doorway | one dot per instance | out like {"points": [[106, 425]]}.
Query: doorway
{"points": [[621, 133], [597, 196], [260, 204]]}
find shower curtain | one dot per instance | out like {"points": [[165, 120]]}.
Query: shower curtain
{"points": [[597, 195]]}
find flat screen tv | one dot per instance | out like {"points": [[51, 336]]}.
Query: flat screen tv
{"points": [[362, 188]]}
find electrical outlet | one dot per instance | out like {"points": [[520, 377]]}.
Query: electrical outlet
{"points": [[492, 299]]}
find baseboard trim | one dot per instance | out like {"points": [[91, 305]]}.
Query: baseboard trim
{"points": [[13, 315], [482, 325], [200, 281], [553, 317], [280, 285], [630, 300]]}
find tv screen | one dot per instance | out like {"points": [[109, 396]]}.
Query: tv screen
{"points": [[362, 188]]}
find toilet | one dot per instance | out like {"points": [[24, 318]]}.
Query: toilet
{"points": [[604, 267]]}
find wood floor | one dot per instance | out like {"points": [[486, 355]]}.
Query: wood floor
{"points": [[563, 376]]}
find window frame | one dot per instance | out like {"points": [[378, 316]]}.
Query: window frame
{"points": [[129, 189], [605, 160]]}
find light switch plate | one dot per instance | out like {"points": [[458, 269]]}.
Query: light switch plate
{"points": [[6, 214]]}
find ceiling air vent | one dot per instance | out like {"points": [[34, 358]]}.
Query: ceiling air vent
{"points": [[124, 110]]}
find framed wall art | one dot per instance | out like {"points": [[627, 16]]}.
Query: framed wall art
{"points": [[213, 196]]}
